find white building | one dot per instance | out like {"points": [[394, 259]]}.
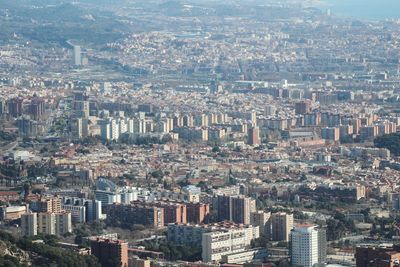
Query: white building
{"points": [[218, 243], [123, 126], [114, 127], [245, 256], [78, 213], [77, 55], [304, 246], [107, 197], [46, 223]]}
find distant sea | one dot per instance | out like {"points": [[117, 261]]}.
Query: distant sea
{"points": [[364, 9]]}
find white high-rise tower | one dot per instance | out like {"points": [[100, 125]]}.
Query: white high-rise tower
{"points": [[77, 55], [304, 246]]}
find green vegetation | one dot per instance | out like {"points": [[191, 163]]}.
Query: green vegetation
{"points": [[389, 141], [215, 149], [10, 170], [50, 255], [4, 136], [45, 253], [144, 140], [10, 261], [338, 226], [174, 252], [37, 170], [57, 23], [88, 229]]}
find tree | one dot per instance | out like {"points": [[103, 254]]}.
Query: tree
{"points": [[157, 174], [389, 141], [215, 149], [335, 229]]}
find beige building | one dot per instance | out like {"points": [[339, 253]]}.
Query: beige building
{"points": [[137, 262], [263, 221], [46, 223]]}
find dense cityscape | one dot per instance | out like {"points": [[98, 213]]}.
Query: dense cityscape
{"points": [[198, 133]]}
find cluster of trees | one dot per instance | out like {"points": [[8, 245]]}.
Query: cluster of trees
{"points": [[88, 229], [9, 261], [10, 170], [52, 255], [47, 253], [9, 240], [90, 140], [5, 136], [338, 226], [144, 140], [389, 141], [174, 252], [37, 170]]}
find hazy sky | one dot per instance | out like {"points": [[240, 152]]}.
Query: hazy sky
{"points": [[369, 9]]}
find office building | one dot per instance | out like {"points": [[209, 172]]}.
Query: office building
{"points": [[77, 53], [78, 213], [3, 105], [312, 119], [36, 108], [224, 242], [249, 255], [63, 223], [93, 210], [15, 107], [173, 212], [82, 208], [377, 256], [110, 252], [368, 132], [28, 127], [330, 133], [80, 128], [47, 205], [322, 245], [235, 208], [81, 109], [29, 224], [54, 223], [303, 107], [147, 108], [197, 212], [253, 136], [281, 225], [188, 234], [46, 223], [192, 234], [105, 132], [304, 246], [263, 220], [137, 213]]}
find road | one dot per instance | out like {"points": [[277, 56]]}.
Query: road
{"points": [[8, 147]]}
